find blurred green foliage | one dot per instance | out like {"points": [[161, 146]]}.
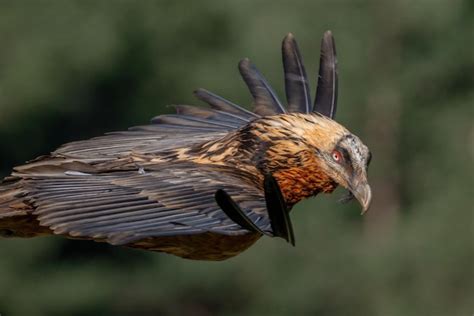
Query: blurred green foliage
{"points": [[74, 69]]}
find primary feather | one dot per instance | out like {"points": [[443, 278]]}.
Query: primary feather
{"points": [[296, 82], [326, 94]]}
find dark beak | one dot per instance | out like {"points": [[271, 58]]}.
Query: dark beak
{"points": [[360, 188]]}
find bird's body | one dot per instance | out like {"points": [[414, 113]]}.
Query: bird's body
{"points": [[153, 187]]}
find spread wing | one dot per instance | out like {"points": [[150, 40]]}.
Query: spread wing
{"points": [[193, 125], [126, 206]]}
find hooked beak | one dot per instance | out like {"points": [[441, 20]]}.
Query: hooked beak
{"points": [[362, 192]]}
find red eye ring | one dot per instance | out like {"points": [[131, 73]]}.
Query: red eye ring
{"points": [[336, 156]]}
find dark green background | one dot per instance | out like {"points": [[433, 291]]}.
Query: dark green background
{"points": [[75, 69]]}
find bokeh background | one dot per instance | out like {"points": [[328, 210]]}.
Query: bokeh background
{"points": [[75, 69]]}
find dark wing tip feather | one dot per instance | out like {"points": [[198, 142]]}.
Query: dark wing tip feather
{"points": [[234, 212], [219, 103], [296, 82], [277, 210], [265, 99], [326, 93]]}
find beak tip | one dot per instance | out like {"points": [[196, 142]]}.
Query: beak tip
{"points": [[364, 196], [364, 209]]}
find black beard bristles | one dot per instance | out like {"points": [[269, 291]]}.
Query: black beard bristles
{"points": [[346, 198]]}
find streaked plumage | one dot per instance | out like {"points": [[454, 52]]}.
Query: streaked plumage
{"points": [[155, 186]]}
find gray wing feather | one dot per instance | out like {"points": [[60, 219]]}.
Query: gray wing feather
{"points": [[125, 206], [265, 99], [326, 93], [219, 103], [296, 81]]}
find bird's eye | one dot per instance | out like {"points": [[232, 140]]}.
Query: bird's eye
{"points": [[336, 156]]}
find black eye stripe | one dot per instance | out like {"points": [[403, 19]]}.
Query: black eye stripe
{"points": [[346, 155]]}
